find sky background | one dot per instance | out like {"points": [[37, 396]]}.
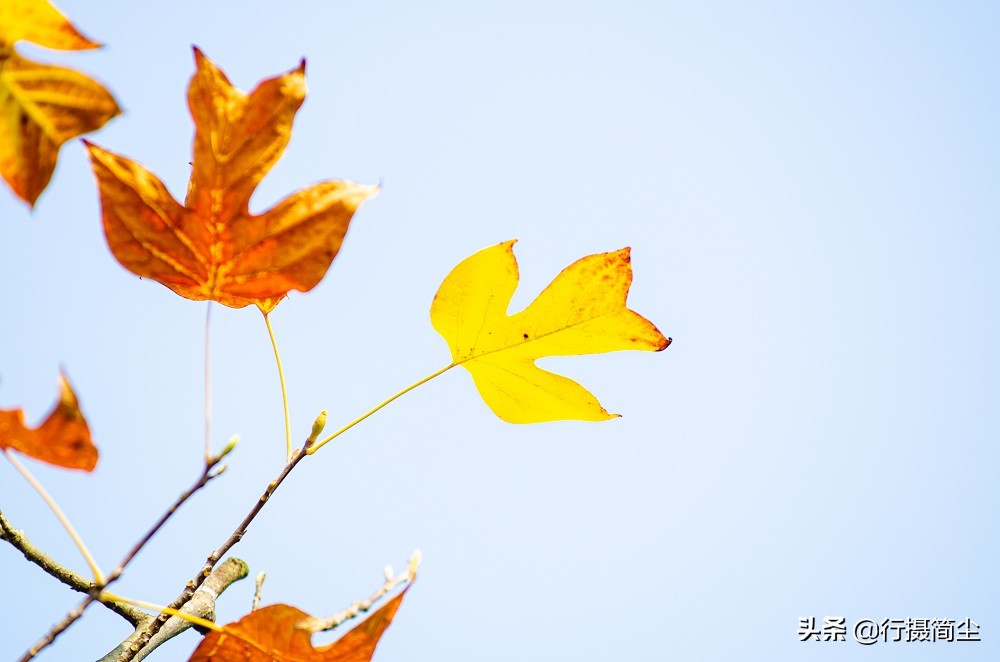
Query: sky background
{"points": [[810, 194]]}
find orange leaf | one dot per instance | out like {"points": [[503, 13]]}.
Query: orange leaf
{"points": [[213, 247], [63, 439], [280, 633], [42, 106]]}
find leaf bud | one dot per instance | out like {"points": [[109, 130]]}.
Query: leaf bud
{"points": [[317, 428], [411, 568], [230, 446]]}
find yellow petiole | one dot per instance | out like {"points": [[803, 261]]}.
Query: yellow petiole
{"points": [[284, 391], [319, 444]]}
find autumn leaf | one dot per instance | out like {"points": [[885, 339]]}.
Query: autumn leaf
{"points": [[582, 311], [280, 633], [62, 439], [42, 106], [212, 247]]}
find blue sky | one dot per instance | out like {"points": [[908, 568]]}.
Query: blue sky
{"points": [[809, 191]]}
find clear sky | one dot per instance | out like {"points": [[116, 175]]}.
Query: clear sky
{"points": [[810, 193]]}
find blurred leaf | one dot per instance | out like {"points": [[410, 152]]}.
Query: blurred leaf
{"points": [[213, 247], [582, 311], [63, 438], [42, 106]]}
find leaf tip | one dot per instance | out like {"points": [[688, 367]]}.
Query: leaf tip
{"points": [[508, 248], [83, 42], [356, 194], [90, 147], [66, 396], [202, 62]]}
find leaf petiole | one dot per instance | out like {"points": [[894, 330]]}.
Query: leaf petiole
{"points": [[107, 596], [319, 444], [284, 391], [47, 498]]}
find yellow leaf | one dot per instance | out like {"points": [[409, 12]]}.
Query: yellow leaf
{"points": [[39, 22], [42, 106], [582, 311]]}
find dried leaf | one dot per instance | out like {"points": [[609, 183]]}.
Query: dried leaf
{"points": [[280, 633], [42, 106], [582, 311], [213, 247], [63, 438]]}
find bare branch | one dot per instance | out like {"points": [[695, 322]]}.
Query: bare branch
{"points": [[259, 585], [75, 581], [208, 473], [313, 624], [214, 557], [201, 604]]}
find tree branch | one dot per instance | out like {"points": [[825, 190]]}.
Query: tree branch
{"points": [[208, 473], [72, 579], [314, 625], [153, 628], [201, 604]]}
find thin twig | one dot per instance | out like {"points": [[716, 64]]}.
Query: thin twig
{"points": [[60, 627], [314, 625], [307, 448], [207, 474], [258, 586], [77, 540], [214, 557], [74, 580]]}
